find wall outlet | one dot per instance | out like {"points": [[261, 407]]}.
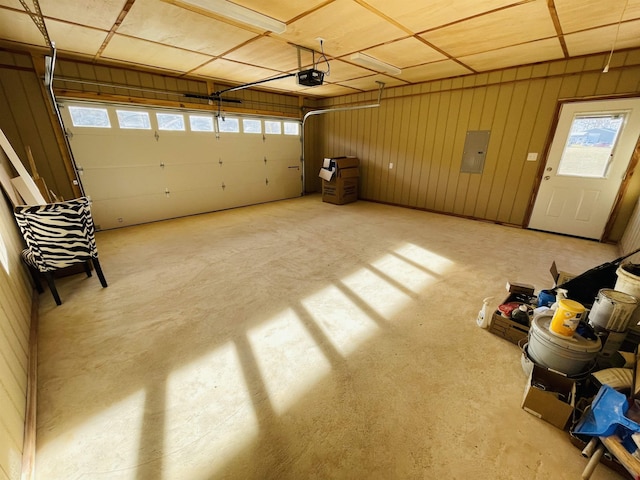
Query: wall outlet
{"points": [[532, 157], [390, 165]]}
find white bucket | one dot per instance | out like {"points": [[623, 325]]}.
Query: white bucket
{"points": [[629, 283], [568, 355], [612, 310]]}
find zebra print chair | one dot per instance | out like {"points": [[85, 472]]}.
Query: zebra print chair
{"points": [[57, 236]]}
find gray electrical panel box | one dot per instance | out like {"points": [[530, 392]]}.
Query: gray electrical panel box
{"points": [[475, 151]]}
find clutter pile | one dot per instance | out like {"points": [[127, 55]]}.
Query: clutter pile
{"points": [[579, 350]]}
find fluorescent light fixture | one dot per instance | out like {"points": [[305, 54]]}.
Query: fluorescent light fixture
{"points": [[374, 63], [239, 13]]}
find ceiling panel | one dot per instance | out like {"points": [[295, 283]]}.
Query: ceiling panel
{"points": [[93, 13], [433, 71], [329, 90], [270, 53], [533, 52], [283, 10], [345, 26], [74, 38], [19, 28], [575, 16], [406, 52], [369, 83], [238, 72], [186, 29], [418, 15], [504, 28], [594, 41], [341, 71], [141, 52]]}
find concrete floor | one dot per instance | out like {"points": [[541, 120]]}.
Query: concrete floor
{"points": [[298, 340]]}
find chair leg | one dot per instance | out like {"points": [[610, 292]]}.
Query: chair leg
{"points": [[96, 265], [87, 268], [52, 287]]}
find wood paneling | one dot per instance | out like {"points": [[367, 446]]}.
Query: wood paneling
{"points": [[15, 317], [422, 131]]}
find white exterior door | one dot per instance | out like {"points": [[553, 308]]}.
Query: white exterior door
{"points": [[587, 162], [140, 164]]}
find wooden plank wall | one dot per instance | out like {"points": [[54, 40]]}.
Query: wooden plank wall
{"points": [[25, 120], [15, 318], [421, 130]]}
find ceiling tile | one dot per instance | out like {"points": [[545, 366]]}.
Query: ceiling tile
{"points": [[93, 13], [405, 53], [141, 52], [419, 16], [187, 30], [524, 23], [433, 71], [329, 90], [74, 38], [527, 53], [18, 27], [236, 72], [341, 71], [581, 15], [345, 26], [283, 10], [601, 39], [369, 83], [270, 53]]}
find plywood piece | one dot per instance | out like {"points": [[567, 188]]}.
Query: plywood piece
{"points": [[26, 182], [346, 27], [369, 82], [238, 72], [494, 31], [414, 15], [132, 50], [76, 38], [533, 52], [601, 39], [432, 71], [186, 30], [19, 28], [582, 15], [273, 54], [405, 53], [95, 13], [283, 10]]}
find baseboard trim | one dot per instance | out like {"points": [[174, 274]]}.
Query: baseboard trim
{"points": [[29, 445]]}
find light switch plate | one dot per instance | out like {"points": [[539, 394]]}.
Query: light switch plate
{"points": [[532, 157]]}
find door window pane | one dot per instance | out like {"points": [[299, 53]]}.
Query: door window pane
{"points": [[231, 125], [198, 123], [132, 119], [251, 126], [272, 127], [590, 145], [89, 117], [170, 121], [291, 128]]}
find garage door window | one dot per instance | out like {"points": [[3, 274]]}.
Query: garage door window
{"points": [[170, 121], [133, 120], [251, 126], [231, 125], [89, 117], [198, 123]]}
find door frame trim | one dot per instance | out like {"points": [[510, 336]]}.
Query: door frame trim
{"points": [[635, 158]]}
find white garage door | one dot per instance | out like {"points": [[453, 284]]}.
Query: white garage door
{"points": [[142, 164]]}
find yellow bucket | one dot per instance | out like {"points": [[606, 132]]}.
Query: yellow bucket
{"points": [[566, 318]]}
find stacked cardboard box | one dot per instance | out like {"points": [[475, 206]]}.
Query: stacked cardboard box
{"points": [[340, 180]]}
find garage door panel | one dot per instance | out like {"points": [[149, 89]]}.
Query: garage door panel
{"points": [[138, 175]]}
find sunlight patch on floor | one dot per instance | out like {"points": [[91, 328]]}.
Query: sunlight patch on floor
{"points": [[426, 259], [113, 434], [404, 273], [344, 324], [210, 391], [377, 293], [290, 360]]}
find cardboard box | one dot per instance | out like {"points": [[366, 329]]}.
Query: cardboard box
{"points": [[550, 396], [505, 327], [341, 185], [560, 277]]}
